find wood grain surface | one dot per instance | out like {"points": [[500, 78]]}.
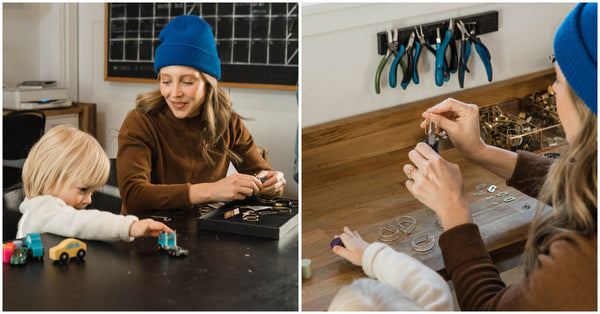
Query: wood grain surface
{"points": [[352, 176]]}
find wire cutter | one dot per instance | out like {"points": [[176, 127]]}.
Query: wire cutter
{"points": [[399, 50], [481, 49], [465, 52], [425, 43], [384, 60]]}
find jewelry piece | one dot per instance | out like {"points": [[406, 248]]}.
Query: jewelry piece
{"points": [[282, 210], [388, 233], [406, 224], [232, 213], [495, 203], [491, 188], [423, 243], [481, 186], [502, 194], [250, 216], [409, 172], [509, 199]]}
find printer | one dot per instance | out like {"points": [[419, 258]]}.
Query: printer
{"points": [[32, 99]]}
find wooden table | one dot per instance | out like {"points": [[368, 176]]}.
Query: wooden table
{"points": [[367, 194]]}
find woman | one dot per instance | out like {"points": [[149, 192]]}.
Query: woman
{"points": [[176, 146], [561, 250]]}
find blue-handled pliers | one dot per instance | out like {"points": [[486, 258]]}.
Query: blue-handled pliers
{"points": [[440, 51], [425, 43], [410, 62], [481, 49], [399, 50]]}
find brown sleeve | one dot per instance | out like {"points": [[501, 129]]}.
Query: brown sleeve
{"points": [[134, 167], [530, 172], [243, 144], [565, 280]]}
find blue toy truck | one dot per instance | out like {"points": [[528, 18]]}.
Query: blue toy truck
{"points": [[33, 242], [168, 242]]}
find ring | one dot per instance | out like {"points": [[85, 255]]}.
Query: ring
{"points": [[409, 172], [388, 233], [423, 243], [406, 224]]}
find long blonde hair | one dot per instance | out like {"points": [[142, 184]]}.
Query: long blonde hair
{"points": [[64, 155], [216, 113], [570, 188]]}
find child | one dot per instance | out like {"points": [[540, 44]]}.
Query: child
{"points": [[396, 271], [60, 174]]}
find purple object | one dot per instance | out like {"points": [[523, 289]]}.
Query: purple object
{"points": [[337, 241]]}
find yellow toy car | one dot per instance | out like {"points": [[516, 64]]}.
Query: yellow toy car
{"points": [[67, 249]]}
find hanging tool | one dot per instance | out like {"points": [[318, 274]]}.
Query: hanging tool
{"points": [[452, 44], [481, 49], [440, 49], [425, 43], [410, 61], [384, 60], [399, 50], [415, 76], [465, 52]]}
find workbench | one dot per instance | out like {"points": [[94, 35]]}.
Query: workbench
{"points": [[352, 176], [222, 272]]}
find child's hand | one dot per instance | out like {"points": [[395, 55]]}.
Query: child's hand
{"points": [[355, 247], [147, 228]]}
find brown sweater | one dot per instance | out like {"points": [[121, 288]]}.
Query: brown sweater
{"points": [[159, 159], [565, 280]]}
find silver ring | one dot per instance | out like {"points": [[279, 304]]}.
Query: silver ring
{"points": [[388, 233], [423, 243], [406, 224], [409, 172]]}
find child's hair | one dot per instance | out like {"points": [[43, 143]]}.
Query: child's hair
{"points": [[367, 294], [64, 155]]}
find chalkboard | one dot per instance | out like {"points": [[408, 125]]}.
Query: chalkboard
{"points": [[256, 42]]}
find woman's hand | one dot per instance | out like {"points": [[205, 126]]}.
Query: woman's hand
{"points": [[354, 248], [274, 184], [437, 183], [147, 228], [234, 187], [461, 122]]}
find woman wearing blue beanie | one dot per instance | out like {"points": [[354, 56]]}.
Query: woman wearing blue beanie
{"points": [[176, 146], [560, 257]]}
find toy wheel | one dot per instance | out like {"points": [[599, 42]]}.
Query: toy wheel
{"points": [[64, 257], [29, 254], [81, 254]]}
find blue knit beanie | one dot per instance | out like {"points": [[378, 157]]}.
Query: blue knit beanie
{"points": [[188, 40], [576, 51]]}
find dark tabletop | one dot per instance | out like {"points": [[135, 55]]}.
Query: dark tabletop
{"points": [[222, 272]]}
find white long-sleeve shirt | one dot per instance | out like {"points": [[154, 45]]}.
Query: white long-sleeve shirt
{"points": [[406, 273], [49, 214]]}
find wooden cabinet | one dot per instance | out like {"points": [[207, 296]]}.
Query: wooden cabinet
{"points": [[80, 115]]}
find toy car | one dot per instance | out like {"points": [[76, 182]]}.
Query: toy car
{"points": [[168, 242], [19, 256], [33, 242], [67, 249]]}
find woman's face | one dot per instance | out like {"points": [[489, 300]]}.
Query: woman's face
{"points": [[565, 105], [184, 90]]}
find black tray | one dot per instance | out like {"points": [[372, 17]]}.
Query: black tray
{"points": [[272, 226]]}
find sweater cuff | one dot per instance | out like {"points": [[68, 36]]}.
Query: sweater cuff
{"points": [[460, 245], [126, 225], [369, 255]]}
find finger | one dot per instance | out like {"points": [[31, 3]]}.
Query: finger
{"points": [[426, 152], [245, 191], [417, 158], [357, 234], [347, 230], [341, 251], [408, 170]]}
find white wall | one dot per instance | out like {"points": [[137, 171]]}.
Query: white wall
{"points": [[339, 52], [65, 42]]}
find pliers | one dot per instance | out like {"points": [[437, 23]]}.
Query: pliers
{"points": [[465, 52], [384, 60], [399, 50], [481, 49], [432, 139], [440, 52], [408, 73], [425, 43]]}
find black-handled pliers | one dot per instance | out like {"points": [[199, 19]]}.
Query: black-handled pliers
{"points": [[481, 49]]}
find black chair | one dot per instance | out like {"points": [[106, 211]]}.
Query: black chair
{"points": [[21, 130], [107, 197]]}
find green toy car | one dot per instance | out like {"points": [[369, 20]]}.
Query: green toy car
{"points": [[19, 256]]}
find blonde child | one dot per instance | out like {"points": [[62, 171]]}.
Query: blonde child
{"points": [[60, 174], [403, 283]]}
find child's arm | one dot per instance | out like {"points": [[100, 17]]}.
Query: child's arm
{"points": [[397, 269], [147, 228]]}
